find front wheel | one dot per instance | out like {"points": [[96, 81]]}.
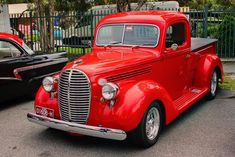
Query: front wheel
{"points": [[213, 85], [147, 132]]}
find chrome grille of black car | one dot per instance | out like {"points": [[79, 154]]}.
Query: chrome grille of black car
{"points": [[74, 96]]}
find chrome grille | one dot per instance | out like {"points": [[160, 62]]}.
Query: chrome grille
{"points": [[74, 96]]}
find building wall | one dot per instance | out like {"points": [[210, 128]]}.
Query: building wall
{"points": [[4, 19]]}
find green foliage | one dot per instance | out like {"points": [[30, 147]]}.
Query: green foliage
{"points": [[72, 5], [224, 2], [226, 36], [229, 83], [200, 4], [16, 1], [224, 32], [74, 51]]}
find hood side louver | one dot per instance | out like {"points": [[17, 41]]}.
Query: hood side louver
{"points": [[129, 74]]}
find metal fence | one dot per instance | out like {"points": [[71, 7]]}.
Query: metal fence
{"points": [[72, 32], [216, 23]]}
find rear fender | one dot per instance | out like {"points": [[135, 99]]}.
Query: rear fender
{"points": [[134, 101], [207, 64]]}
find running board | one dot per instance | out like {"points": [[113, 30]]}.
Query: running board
{"points": [[189, 98]]}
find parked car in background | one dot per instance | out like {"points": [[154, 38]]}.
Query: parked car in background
{"points": [[143, 72], [21, 70]]}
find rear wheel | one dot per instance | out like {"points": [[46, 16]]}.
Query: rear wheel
{"points": [[147, 132], [213, 85]]}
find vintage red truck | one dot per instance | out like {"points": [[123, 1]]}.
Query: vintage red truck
{"points": [[144, 71]]}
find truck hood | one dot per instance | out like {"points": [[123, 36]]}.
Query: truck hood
{"points": [[102, 61]]}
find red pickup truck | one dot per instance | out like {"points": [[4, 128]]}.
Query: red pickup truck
{"points": [[144, 70]]}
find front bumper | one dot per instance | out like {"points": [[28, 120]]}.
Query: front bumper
{"points": [[88, 130]]}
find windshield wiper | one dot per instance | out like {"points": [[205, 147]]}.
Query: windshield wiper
{"points": [[147, 44], [114, 43]]}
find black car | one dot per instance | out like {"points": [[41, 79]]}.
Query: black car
{"points": [[21, 70]]}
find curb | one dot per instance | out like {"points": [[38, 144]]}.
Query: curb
{"points": [[228, 60]]}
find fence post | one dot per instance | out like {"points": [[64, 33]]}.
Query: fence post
{"points": [[205, 22], [31, 29], [92, 36]]}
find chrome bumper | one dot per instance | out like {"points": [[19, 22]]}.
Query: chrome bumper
{"points": [[101, 132]]}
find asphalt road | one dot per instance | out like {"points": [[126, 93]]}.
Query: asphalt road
{"points": [[205, 130]]}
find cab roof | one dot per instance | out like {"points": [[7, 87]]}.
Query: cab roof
{"points": [[11, 37], [142, 16]]}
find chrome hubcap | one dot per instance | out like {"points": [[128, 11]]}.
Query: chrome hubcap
{"points": [[152, 123], [213, 83]]}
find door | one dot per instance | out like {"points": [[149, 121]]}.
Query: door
{"points": [[11, 57], [177, 53]]}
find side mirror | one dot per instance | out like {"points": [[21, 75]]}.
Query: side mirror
{"points": [[174, 47]]}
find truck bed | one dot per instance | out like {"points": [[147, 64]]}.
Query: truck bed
{"points": [[198, 43]]}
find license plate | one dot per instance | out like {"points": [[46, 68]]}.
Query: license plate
{"points": [[44, 111]]}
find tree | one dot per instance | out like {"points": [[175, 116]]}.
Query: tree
{"points": [[225, 2], [125, 5], [44, 10]]}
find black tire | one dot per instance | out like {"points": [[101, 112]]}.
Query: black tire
{"points": [[213, 82], [139, 136]]}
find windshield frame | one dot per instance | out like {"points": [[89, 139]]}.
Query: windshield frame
{"points": [[28, 50], [123, 35]]}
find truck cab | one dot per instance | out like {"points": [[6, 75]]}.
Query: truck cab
{"points": [[144, 71]]}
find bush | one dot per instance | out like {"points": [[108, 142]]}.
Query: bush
{"points": [[225, 35], [224, 32]]}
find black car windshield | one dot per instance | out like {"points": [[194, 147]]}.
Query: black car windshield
{"points": [[27, 49], [129, 35]]}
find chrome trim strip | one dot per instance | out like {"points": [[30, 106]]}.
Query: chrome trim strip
{"points": [[88, 130], [31, 67], [10, 78], [68, 96], [42, 76]]}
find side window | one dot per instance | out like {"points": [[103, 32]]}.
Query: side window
{"points": [[175, 35], [7, 50]]}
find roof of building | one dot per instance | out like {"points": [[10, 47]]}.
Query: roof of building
{"points": [[17, 8]]}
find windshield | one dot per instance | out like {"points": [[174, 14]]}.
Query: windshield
{"points": [[27, 49], [130, 34]]}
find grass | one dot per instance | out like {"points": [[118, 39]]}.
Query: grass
{"points": [[229, 83], [74, 51]]}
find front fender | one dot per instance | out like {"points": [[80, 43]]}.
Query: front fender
{"points": [[44, 99], [207, 65], [135, 100]]}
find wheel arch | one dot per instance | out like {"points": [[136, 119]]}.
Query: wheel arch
{"points": [[161, 104], [207, 64], [219, 72], [146, 92]]}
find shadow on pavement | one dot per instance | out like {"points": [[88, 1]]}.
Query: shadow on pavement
{"points": [[85, 142], [63, 138], [14, 102]]}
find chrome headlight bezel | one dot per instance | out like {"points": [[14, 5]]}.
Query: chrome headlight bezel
{"points": [[48, 84], [109, 91]]}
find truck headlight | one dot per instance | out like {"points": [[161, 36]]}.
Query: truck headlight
{"points": [[48, 84], [109, 91]]}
